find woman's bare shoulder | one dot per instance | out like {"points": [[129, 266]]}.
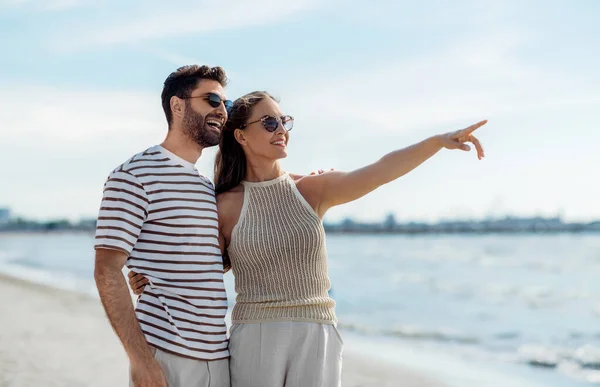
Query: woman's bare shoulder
{"points": [[297, 178], [229, 206], [309, 181], [225, 199]]}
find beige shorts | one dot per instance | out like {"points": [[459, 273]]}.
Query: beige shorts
{"points": [[184, 372], [290, 354]]}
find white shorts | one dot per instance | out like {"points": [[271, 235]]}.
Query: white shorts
{"points": [[185, 372], [290, 354]]}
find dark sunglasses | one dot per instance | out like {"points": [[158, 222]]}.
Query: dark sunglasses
{"points": [[271, 123], [214, 100]]}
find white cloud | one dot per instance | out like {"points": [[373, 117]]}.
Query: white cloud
{"points": [[156, 20], [540, 140], [13, 3], [538, 162], [467, 81], [57, 134], [42, 5], [76, 116], [61, 144], [172, 57]]}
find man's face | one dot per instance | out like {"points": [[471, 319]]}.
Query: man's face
{"points": [[201, 121]]}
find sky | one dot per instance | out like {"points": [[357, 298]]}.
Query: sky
{"points": [[80, 84]]}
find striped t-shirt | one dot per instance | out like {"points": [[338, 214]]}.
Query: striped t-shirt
{"points": [[158, 210]]}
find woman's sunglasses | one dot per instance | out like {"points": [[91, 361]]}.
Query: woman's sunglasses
{"points": [[271, 123], [214, 100]]}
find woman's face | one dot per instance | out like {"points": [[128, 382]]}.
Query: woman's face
{"points": [[257, 141]]}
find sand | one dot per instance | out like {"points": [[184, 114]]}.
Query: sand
{"points": [[52, 337]]}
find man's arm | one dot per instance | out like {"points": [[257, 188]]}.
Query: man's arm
{"points": [[115, 297], [123, 211], [116, 300]]}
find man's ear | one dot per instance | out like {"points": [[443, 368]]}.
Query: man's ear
{"points": [[177, 106]]}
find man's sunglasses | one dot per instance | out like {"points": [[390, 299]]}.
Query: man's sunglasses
{"points": [[271, 123], [214, 100]]}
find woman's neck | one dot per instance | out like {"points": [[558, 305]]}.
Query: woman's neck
{"points": [[257, 172]]}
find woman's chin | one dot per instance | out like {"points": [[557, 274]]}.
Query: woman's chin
{"points": [[281, 154]]}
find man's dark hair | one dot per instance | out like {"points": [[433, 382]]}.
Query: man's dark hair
{"points": [[181, 82]]}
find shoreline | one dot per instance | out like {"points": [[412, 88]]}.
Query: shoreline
{"points": [[64, 336], [378, 232]]}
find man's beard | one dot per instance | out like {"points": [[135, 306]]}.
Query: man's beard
{"points": [[195, 128]]}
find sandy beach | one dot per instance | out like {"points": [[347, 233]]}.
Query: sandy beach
{"points": [[53, 337]]}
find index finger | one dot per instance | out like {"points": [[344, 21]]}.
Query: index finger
{"points": [[474, 127]]}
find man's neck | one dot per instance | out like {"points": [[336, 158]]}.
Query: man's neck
{"points": [[184, 148]]}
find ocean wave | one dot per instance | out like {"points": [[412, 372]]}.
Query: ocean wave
{"points": [[576, 372], [61, 267], [535, 297], [586, 356], [409, 278], [413, 333], [23, 261], [509, 335], [460, 290], [7, 256], [532, 297], [53, 278]]}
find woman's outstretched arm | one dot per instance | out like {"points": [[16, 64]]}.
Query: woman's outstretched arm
{"points": [[343, 187]]}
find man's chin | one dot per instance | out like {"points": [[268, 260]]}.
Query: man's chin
{"points": [[209, 139], [210, 129], [207, 144]]}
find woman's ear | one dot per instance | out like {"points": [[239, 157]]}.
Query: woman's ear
{"points": [[239, 136]]}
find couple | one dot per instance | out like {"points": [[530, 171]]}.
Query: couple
{"points": [[161, 219]]}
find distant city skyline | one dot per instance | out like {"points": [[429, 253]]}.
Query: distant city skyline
{"points": [[7, 214], [82, 81], [389, 225]]}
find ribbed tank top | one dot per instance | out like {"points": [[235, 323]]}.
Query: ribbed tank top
{"points": [[278, 257]]}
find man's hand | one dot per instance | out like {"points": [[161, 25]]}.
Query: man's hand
{"points": [[119, 309], [148, 374], [321, 171]]}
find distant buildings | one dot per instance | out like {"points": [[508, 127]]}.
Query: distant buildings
{"points": [[8, 223], [388, 225], [4, 215], [502, 225]]}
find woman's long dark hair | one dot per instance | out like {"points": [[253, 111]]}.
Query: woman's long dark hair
{"points": [[230, 163]]}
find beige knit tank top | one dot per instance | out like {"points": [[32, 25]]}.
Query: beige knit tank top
{"points": [[278, 257]]}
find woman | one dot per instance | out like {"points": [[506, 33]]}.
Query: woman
{"points": [[283, 323]]}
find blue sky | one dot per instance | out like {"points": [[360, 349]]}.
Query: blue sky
{"points": [[81, 80]]}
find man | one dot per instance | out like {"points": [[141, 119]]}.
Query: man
{"points": [[158, 216]]}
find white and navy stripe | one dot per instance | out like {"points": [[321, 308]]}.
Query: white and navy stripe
{"points": [[160, 212]]}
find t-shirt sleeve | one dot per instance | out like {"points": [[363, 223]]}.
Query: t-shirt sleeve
{"points": [[122, 213]]}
